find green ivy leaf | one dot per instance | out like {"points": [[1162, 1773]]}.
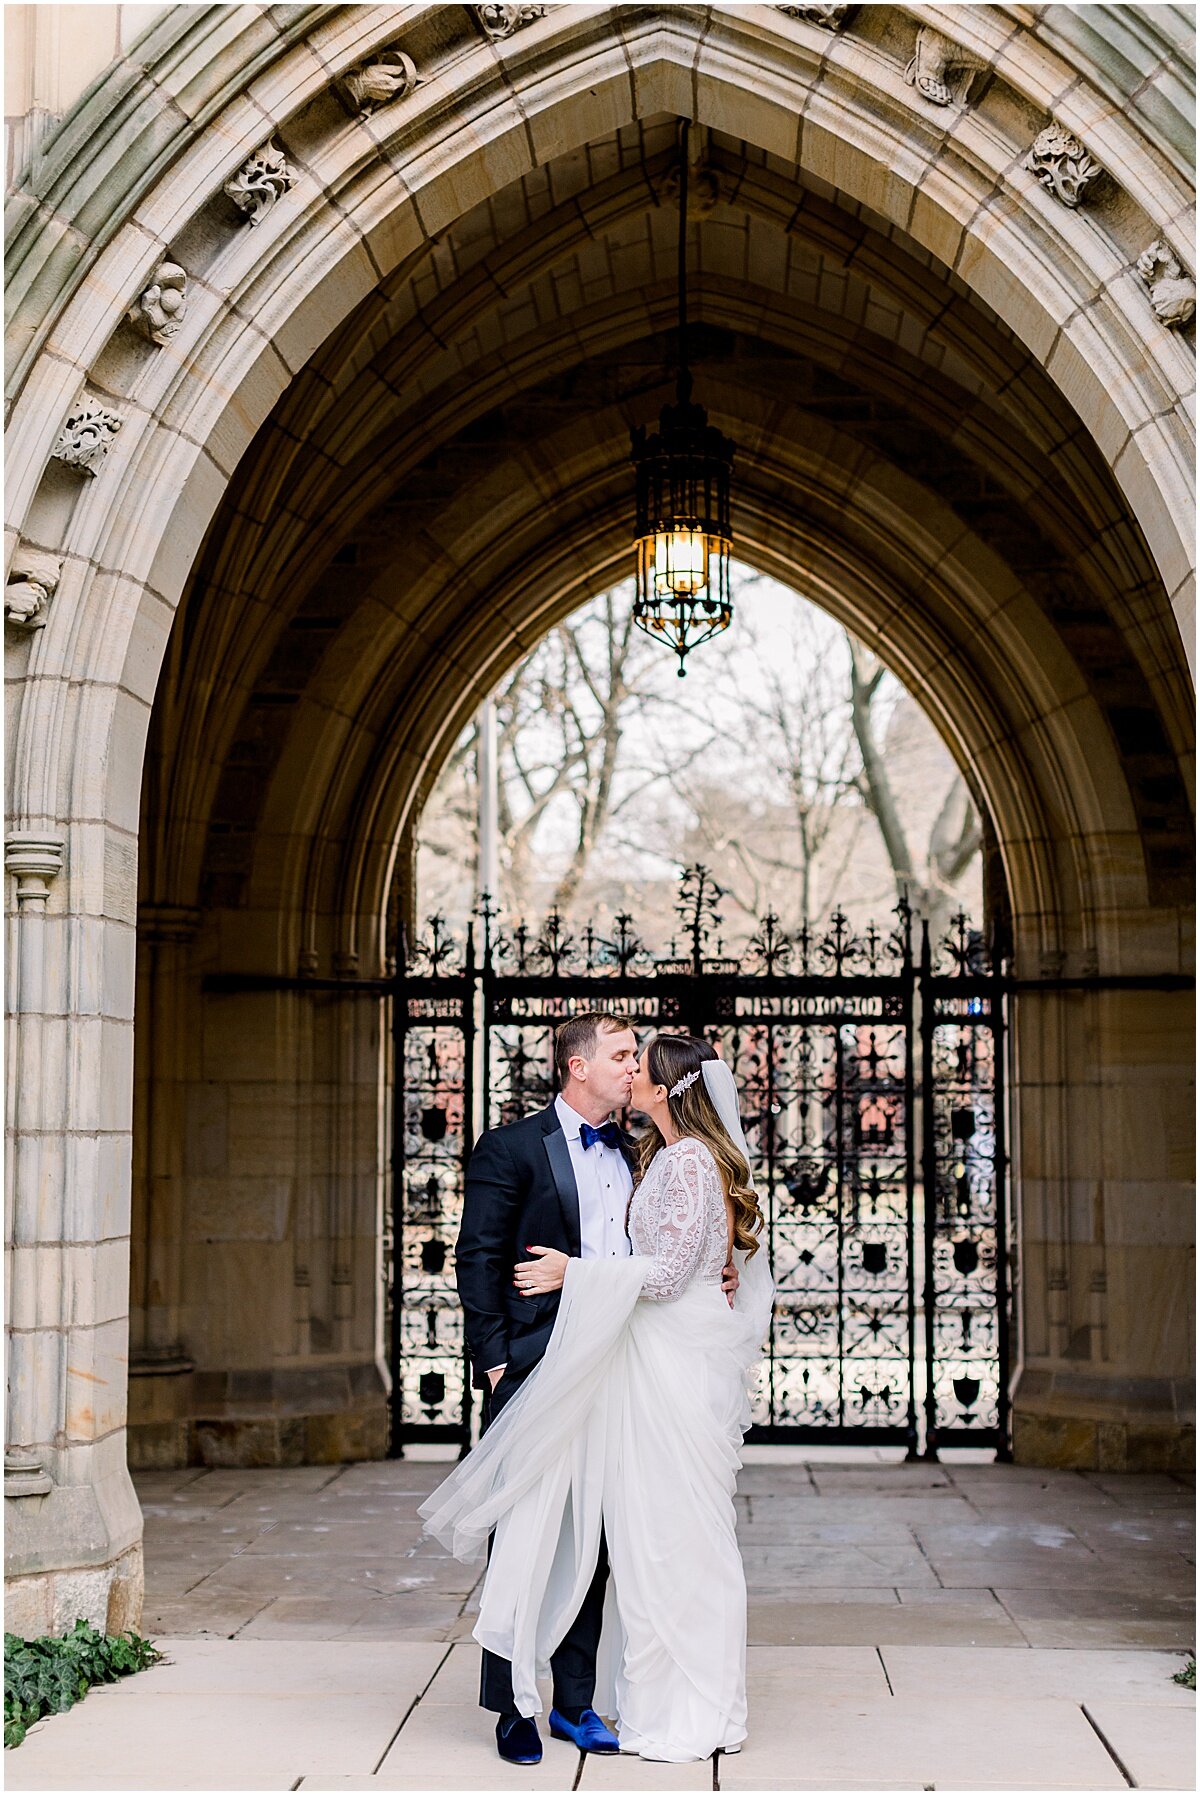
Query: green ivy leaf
{"points": [[48, 1676]]}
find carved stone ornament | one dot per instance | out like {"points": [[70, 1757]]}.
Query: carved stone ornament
{"points": [[704, 188], [1172, 291], [86, 436], [391, 75], [160, 309], [259, 182], [502, 21], [1062, 165], [832, 17], [30, 588], [941, 71], [36, 861]]}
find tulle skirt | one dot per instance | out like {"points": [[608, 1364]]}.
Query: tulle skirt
{"points": [[633, 1422]]}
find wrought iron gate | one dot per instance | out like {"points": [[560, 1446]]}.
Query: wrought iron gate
{"points": [[871, 1080]]}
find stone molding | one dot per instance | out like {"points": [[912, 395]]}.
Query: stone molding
{"points": [[942, 71], [260, 182], [167, 923], [704, 185], [1083, 272], [1172, 291], [391, 75], [25, 1475], [87, 434], [162, 306], [36, 860], [832, 17], [218, 46], [1062, 164], [502, 21], [31, 585]]}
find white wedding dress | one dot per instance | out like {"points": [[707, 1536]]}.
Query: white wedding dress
{"points": [[632, 1421]]}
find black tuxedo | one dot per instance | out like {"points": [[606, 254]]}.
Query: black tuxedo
{"points": [[520, 1192]]}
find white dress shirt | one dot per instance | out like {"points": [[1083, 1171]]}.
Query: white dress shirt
{"points": [[604, 1183]]}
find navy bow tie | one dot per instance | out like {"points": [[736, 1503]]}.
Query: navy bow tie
{"points": [[608, 1132]]}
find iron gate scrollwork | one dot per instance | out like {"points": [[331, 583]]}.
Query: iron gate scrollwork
{"points": [[871, 1083]]}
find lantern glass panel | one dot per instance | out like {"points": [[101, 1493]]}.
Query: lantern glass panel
{"points": [[680, 562]]}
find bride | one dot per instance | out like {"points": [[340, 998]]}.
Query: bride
{"points": [[632, 1423]]}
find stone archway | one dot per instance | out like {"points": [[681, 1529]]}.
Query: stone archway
{"points": [[959, 416]]}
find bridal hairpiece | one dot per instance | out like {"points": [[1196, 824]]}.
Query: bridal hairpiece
{"points": [[683, 1083]]}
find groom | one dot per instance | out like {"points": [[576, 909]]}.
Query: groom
{"points": [[556, 1184]]}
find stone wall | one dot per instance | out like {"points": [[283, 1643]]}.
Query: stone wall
{"points": [[328, 326]]}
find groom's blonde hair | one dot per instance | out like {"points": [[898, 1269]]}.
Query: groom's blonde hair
{"points": [[578, 1036]]}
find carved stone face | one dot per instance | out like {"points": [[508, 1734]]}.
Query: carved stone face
{"points": [[1174, 300]]}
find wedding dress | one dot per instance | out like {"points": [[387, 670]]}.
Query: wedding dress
{"points": [[632, 1421]]}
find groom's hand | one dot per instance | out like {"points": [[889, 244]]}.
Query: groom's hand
{"points": [[729, 1282], [534, 1277]]}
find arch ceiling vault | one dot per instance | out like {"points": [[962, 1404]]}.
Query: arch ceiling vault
{"points": [[386, 446]]}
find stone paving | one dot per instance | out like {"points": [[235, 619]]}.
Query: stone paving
{"points": [[960, 1626]]}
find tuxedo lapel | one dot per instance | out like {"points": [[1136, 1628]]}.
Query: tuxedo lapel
{"points": [[559, 1155]]}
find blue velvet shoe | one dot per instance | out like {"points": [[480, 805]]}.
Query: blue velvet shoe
{"points": [[517, 1741], [590, 1735]]}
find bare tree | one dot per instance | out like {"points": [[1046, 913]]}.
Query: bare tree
{"points": [[562, 720], [791, 762], [956, 834]]}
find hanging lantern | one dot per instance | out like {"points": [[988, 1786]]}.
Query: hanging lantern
{"points": [[683, 534]]}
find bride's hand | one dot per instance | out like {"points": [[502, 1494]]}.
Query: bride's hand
{"points": [[729, 1282], [534, 1277]]}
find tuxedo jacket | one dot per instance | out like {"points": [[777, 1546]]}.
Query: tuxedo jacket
{"points": [[520, 1192]]}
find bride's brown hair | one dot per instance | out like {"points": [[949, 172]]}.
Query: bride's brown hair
{"points": [[668, 1059]]}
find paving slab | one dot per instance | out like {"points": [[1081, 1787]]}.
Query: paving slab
{"points": [[312, 1616], [206, 1741], [454, 1747], [981, 1601], [1100, 1617], [760, 1530], [325, 1579], [1028, 1570], [852, 1478], [395, 1618], [457, 1681], [804, 1622], [1043, 1744], [812, 1567], [1037, 1674], [626, 1771], [294, 1667], [808, 1670], [340, 1573], [866, 1592], [1127, 1529], [515, 1777], [176, 1776], [868, 1510], [349, 1534], [219, 1616], [1155, 1745]]}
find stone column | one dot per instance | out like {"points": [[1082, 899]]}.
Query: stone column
{"points": [[72, 1524], [160, 1366], [1103, 1110], [31, 1418]]}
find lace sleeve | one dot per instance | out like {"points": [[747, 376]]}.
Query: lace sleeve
{"points": [[682, 1207]]}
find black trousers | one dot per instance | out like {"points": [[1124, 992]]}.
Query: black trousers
{"points": [[573, 1665]]}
